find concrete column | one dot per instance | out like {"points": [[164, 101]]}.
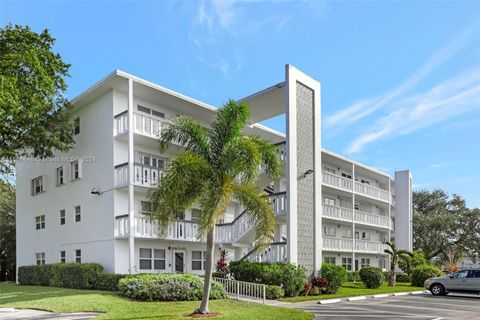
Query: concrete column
{"points": [[131, 213]]}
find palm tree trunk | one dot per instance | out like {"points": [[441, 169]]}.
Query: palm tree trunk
{"points": [[391, 279], [208, 273]]}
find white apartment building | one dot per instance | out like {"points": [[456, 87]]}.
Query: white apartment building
{"points": [[88, 205]]}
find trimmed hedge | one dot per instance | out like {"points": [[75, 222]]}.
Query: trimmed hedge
{"points": [[335, 275], [403, 277], [422, 273], [353, 276], [274, 292], [167, 287], [286, 275], [372, 277], [69, 275]]}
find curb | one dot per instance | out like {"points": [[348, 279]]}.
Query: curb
{"points": [[7, 310], [375, 296]]}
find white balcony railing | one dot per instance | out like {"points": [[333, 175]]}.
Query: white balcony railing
{"points": [[369, 246], [372, 192], [337, 213], [372, 219], [147, 125], [120, 124], [276, 252], [233, 231], [337, 181], [144, 175], [279, 202], [337, 244], [282, 151]]}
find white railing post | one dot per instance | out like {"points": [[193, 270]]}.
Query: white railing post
{"points": [[264, 294], [238, 290]]}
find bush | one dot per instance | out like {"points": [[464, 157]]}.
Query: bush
{"points": [[422, 273], [167, 287], [410, 263], [353, 276], [286, 275], [403, 277], [69, 275], [335, 275], [372, 277], [274, 292]]}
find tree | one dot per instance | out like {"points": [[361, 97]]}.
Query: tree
{"points": [[214, 167], [34, 114], [442, 224], [7, 231], [395, 256], [416, 260]]}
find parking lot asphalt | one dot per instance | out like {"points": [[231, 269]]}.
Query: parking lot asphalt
{"points": [[16, 314], [421, 307]]}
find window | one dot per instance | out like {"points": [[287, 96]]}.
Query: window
{"points": [[37, 185], [362, 235], [158, 114], [60, 176], [63, 257], [40, 222], [197, 258], [145, 259], [474, 274], [40, 258], [78, 214], [329, 170], [347, 233], [460, 274], [146, 207], [75, 170], [62, 217], [364, 181], [143, 109], [364, 262], [346, 176], [159, 259], [329, 201], [329, 231], [78, 256], [347, 263], [331, 260], [151, 111], [196, 215], [357, 206], [76, 126]]}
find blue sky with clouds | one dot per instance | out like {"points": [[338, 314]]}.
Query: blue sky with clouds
{"points": [[400, 80]]}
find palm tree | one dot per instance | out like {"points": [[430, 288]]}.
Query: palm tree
{"points": [[395, 255], [215, 166]]}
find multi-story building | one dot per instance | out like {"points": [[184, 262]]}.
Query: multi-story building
{"points": [[89, 204]]}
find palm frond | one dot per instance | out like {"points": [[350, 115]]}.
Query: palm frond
{"points": [[268, 153], [388, 252], [241, 157], [258, 205], [187, 132]]}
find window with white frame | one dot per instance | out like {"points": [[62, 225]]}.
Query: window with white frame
{"points": [[40, 222], [198, 260], [346, 175], [63, 257], [146, 207], [347, 233], [152, 258], [347, 263], [37, 185], [329, 231], [40, 258], [78, 256], [329, 201], [75, 170], [78, 214], [76, 126], [331, 260], [364, 262], [62, 217], [196, 215], [60, 176], [362, 235], [329, 170], [151, 111]]}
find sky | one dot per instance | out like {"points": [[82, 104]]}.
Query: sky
{"points": [[400, 80]]}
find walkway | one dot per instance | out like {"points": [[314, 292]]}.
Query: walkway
{"points": [[16, 314]]}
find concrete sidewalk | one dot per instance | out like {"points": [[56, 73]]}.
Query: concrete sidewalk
{"points": [[15, 314]]}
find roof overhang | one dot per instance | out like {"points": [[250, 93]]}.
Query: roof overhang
{"points": [[267, 103]]}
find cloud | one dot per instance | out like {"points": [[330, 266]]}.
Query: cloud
{"points": [[453, 97], [438, 165], [365, 107]]}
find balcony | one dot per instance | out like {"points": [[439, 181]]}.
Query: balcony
{"points": [[142, 124], [337, 213], [144, 175], [372, 219], [346, 214], [335, 181], [369, 246], [372, 192], [337, 244], [276, 252]]}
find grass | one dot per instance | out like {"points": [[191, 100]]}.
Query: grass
{"points": [[351, 289], [114, 307]]}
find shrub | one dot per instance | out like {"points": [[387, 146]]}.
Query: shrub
{"points": [[403, 277], [167, 287], [69, 275], [320, 282], [290, 277], [108, 281], [422, 273], [353, 276], [372, 277], [335, 275], [410, 263], [274, 292]]}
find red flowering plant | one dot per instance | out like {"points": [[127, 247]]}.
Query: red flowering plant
{"points": [[222, 264]]}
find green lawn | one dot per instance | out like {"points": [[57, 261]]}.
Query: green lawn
{"points": [[351, 289], [115, 307]]}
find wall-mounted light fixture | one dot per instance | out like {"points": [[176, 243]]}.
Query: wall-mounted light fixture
{"points": [[306, 173]]}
